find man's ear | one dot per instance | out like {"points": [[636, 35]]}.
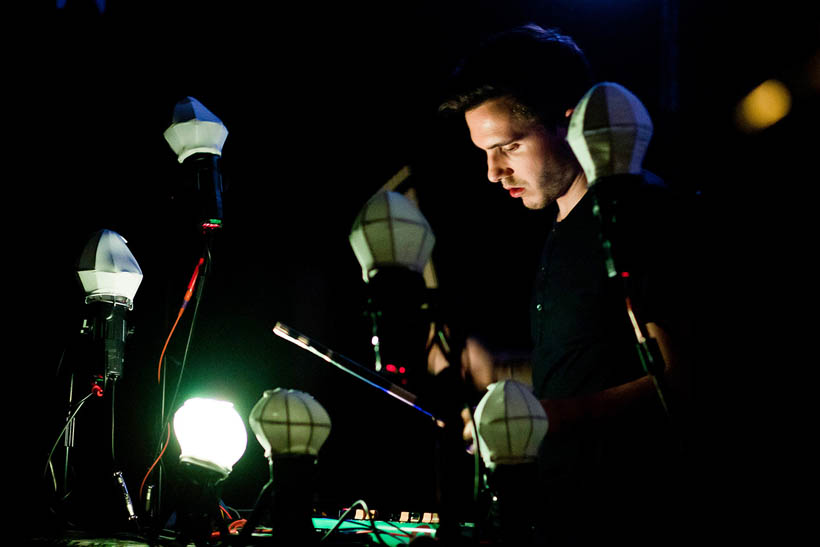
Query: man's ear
{"points": [[569, 112]]}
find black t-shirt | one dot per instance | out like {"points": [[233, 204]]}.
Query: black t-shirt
{"points": [[582, 337], [584, 343]]}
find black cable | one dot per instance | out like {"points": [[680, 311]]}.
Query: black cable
{"points": [[62, 431]]}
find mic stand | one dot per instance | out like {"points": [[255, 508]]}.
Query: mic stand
{"points": [[648, 350], [107, 331], [449, 398]]}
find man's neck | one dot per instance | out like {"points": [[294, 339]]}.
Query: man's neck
{"points": [[573, 195]]}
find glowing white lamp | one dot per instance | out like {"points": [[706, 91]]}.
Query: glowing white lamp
{"points": [[107, 269], [289, 422], [390, 231], [211, 434], [511, 424], [195, 130], [609, 132]]}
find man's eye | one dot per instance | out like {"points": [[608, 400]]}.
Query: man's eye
{"points": [[511, 147]]}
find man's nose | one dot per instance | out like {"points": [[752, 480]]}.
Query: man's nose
{"points": [[497, 168]]}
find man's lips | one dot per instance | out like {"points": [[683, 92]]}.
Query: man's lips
{"points": [[516, 192]]}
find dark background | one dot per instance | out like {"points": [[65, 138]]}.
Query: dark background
{"points": [[324, 103]]}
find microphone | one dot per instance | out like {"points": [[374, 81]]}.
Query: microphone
{"points": [[197, 136]]}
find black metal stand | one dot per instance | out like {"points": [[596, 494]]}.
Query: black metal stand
{"points": [[198, 513], [648, 351], [512, 515], [98, 479], [286, 503]]}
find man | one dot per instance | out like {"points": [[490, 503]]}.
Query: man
{"points": [[609, 449]]}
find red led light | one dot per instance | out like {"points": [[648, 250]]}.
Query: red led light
{"points": [[402, 370], [391, 368], [624, 274]]}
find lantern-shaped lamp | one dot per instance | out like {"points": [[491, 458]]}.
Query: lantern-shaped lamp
{"points": [[195, 130], [393, 242], [511, 427], [108, 270], [390, 231], [110, 277], [197, 136], [511, 424], [609, 132], [291, 426]]}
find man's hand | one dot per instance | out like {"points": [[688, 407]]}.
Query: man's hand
{"points": [[469, 431], [477, 363]]}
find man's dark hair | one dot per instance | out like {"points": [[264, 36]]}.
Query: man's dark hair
{"points": [[543, 71]]}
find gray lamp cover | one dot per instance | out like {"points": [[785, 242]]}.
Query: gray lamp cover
{"points": [[289, 422], [391, 231], [511, 424], [609, 131], [108, 270], [195, 129]]}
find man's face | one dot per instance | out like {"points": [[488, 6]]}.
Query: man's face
{"points": [[530, 162]]}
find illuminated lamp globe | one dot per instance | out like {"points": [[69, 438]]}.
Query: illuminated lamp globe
{"points": [[511, 424], [211, 435], [609, 132], [390, 231], [289, 422]]}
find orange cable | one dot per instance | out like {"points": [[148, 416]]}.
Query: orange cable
{"points": [[188, 293], [162, 452], [162, 355]]}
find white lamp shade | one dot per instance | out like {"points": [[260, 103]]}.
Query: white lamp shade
{"points": [[511, 424], [107, 269], [195, 129], [609, 131], [391, 231], [211, 434], [289, 422]]}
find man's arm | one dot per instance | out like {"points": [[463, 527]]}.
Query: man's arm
{"points": [[624, 400]]}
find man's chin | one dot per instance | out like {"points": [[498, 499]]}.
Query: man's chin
{"points": [[534, 204]]}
